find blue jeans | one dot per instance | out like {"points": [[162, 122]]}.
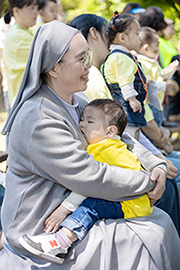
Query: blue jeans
{"points": [[91, 210], [175, 158], [169, 202], [158, 115]]}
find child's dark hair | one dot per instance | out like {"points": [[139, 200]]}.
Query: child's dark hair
{"points": [[154, 18], [113, 111], [146, 35], [16, 3], [84, 22], [43, 3], [119, 24]]}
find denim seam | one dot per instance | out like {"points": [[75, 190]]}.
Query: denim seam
{"points": [[77, 223]]}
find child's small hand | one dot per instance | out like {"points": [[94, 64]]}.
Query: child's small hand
{"points": [[135, 104], [56, 217]]}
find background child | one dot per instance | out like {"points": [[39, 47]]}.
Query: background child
{"points": [[134, 9], [122, 73], [48, 11], [166, 48], [154, 18], [18, 42], [172, 109], [102, 124], [148, 55]]}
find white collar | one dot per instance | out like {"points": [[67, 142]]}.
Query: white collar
{"points": [[116, 137], [116, 46], [143, 57]]}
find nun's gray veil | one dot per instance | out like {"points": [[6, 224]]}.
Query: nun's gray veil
{"points": [[50, 43]]}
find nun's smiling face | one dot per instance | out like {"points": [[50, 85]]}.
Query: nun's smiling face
{"points": [[73, 69]]}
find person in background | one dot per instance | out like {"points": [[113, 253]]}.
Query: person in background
{"points": [[154, 18], [166, 48], [48, 159], [148, 55], [134, 9], [4, 28], [127, 87], [172, 108], [94, 29], [18, 42], [48, 11]]}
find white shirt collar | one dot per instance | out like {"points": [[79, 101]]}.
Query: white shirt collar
{"points": [[116, 46], [116, 137], [143, 57]]}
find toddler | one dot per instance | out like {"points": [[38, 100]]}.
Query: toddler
{"points": [[102, 124], [122, 72], [148, 55], [172, 109], [48, 11]]}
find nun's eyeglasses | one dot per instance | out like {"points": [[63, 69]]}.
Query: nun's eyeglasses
{"points": [[85, 60]]}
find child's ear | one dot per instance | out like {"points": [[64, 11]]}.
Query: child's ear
{"points": [[16, 11], [93, 33], [40, 12], [145, 47], [121, 37], [111, 131]]}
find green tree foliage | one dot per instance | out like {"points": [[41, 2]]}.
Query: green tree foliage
{"points": [[103, 8], [1, 7], [106, 8]]}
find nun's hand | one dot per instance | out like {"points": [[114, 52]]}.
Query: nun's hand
{"points": [[159, 176]]}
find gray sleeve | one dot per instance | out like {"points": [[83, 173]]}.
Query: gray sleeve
{"points": [[60, 158], [147, 159]]}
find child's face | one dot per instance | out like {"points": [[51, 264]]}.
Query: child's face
{"points": [[93, 125], [169, 31], [152, 50], [49, 12], [131, 36], [26, 16]]}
